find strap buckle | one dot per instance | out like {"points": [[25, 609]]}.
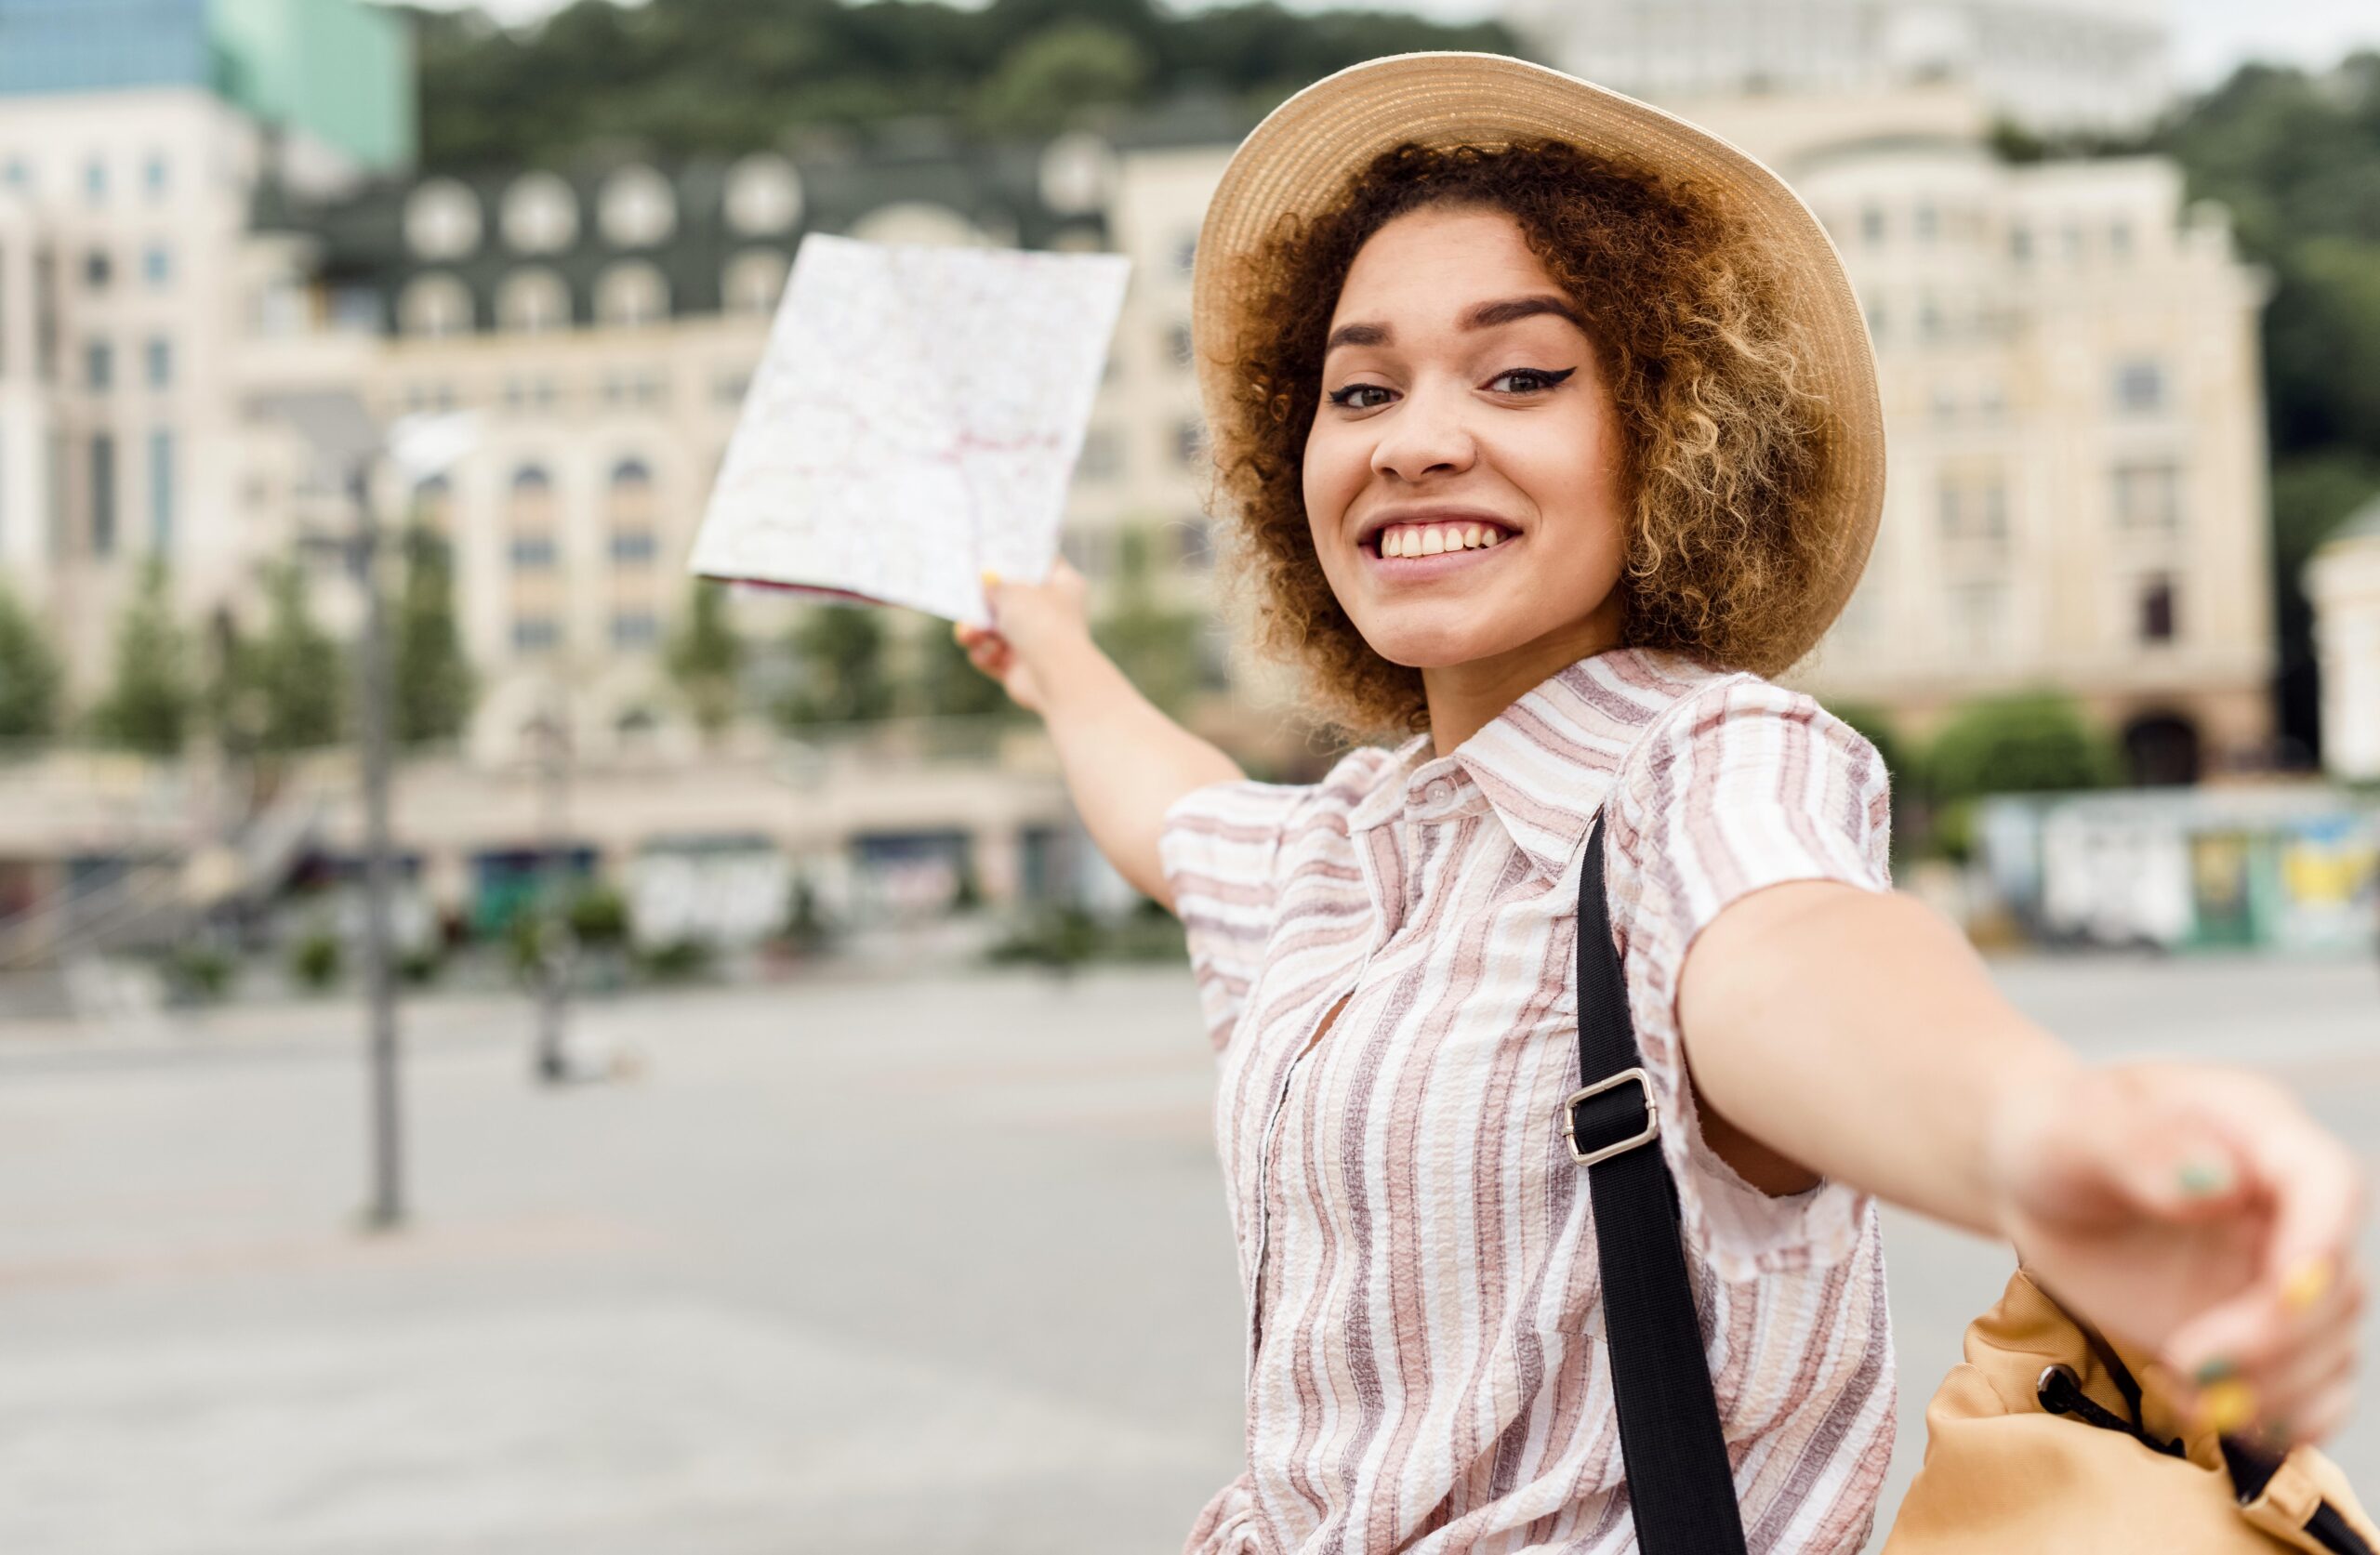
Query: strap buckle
{"points": [[1570, 1117]]}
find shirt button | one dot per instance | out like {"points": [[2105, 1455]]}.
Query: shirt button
{"points": [[1440, 793]]}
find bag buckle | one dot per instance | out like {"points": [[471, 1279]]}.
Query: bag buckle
{"points": [[1587, 1093]]}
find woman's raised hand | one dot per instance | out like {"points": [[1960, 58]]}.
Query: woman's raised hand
{"points": [[1030, 622], [2199, 1214]]}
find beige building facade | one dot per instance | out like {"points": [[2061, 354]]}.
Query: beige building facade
{"points": [[2076, 497], [2076, 494], [2343, 583]]}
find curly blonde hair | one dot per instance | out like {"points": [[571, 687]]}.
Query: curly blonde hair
{"points": [[1728, 546]]}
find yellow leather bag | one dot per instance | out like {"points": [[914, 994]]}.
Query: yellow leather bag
{"points": [[2044, 1439]]}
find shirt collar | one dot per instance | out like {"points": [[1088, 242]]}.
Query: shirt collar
{"points": [[1545, 763]]}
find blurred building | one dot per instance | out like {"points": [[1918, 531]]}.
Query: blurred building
{"points": [[2342, 583], [603, 321], [2048, 65], [132, 134], [2076, 495]]}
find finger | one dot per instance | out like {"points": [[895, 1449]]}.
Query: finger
{"points": [[2319, 1351], [2315, 1190], [2314, 1184], [2180, 1171]]}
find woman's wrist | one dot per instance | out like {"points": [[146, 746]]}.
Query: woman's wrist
{"points": [[2023, 1108]]}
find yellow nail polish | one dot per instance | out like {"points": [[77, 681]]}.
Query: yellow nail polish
{"points": [[2225, 1406], [2306, 1284], [991, 579]]}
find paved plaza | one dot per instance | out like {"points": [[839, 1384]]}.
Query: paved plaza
{"points": [[849, 1265]]}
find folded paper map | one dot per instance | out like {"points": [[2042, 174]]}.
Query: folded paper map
{"points": [[913, 423]]}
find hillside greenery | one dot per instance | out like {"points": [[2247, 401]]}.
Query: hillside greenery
{"points": [[730, 75], [2295, 156]]}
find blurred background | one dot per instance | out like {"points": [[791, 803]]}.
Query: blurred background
{"points": [[799, 1137]]}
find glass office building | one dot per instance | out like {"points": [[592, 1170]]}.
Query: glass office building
{"points": [[338, 71]]}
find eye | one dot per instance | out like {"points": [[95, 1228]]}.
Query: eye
{"points": [[1352, 397], [1530, 380]]}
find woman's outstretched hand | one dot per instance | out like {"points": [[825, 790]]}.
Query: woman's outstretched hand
{"points": [[2198, 1214], [1030, 621]]}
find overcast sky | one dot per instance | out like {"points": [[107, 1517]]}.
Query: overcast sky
{"points": [[2210, 36]]}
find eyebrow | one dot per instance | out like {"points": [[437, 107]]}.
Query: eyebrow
{"points": [[1486, 315]]}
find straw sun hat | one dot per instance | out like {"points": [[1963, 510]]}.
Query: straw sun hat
{"points": [[1298, 163]]}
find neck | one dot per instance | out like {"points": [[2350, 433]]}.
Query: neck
{"points": [[1465, 698]]}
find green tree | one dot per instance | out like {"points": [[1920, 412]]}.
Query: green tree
{"points": [[30, 678], [151, 697], [706, 657], [2295, 158], [730, 75], [1155, 645], [1050, 79], [432, 685], [839, 656], [2036, 742], [290, 685]]}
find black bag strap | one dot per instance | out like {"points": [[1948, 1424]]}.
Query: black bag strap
{"points": [[1681, 1489]]}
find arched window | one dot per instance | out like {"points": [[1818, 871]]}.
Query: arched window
{"points": [[442, 221], [540, 214], [638, 208], [918, 221], [763, 195], [631, 294], [754, 281], [532, 302], [434, 307]]}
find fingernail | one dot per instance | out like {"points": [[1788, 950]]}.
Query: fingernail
{"points": [[2203, 1179], [2306, 1284], [2213, 1369], [958, 631], [991, 579], [2225, 1406]]}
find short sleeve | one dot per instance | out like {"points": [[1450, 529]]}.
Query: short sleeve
{"points": [[1742, 785], [1220, 849]]}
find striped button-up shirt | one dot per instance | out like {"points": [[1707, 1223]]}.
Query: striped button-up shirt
{"points": [[1425, 1366]]}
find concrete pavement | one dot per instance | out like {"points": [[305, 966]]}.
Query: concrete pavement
{"points": [[854, 1265]]}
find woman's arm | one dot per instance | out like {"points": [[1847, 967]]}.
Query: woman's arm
{"points": [[1125, 762], [2195, 1210]]}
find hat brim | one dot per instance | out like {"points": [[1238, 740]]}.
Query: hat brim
{"points": [[1300, 161]]}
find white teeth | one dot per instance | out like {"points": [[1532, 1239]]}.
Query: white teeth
{"points": [[1400, 540]]}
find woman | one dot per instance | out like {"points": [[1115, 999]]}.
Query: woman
{"points": [[1549, 426]]}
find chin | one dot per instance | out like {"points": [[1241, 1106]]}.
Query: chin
{"points": [[1425, 644]]}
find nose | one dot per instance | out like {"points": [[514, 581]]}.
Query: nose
{"points": [[1424, 434]]}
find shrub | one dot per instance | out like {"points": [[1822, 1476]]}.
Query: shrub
{"points": [[314, 961], [2034, 742]]}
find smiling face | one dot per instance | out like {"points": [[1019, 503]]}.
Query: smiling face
{"points": [[1465, 474]]}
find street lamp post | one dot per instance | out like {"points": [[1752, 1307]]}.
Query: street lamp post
{"points": [[555, 948], [387, 1180], [345, 440]]}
